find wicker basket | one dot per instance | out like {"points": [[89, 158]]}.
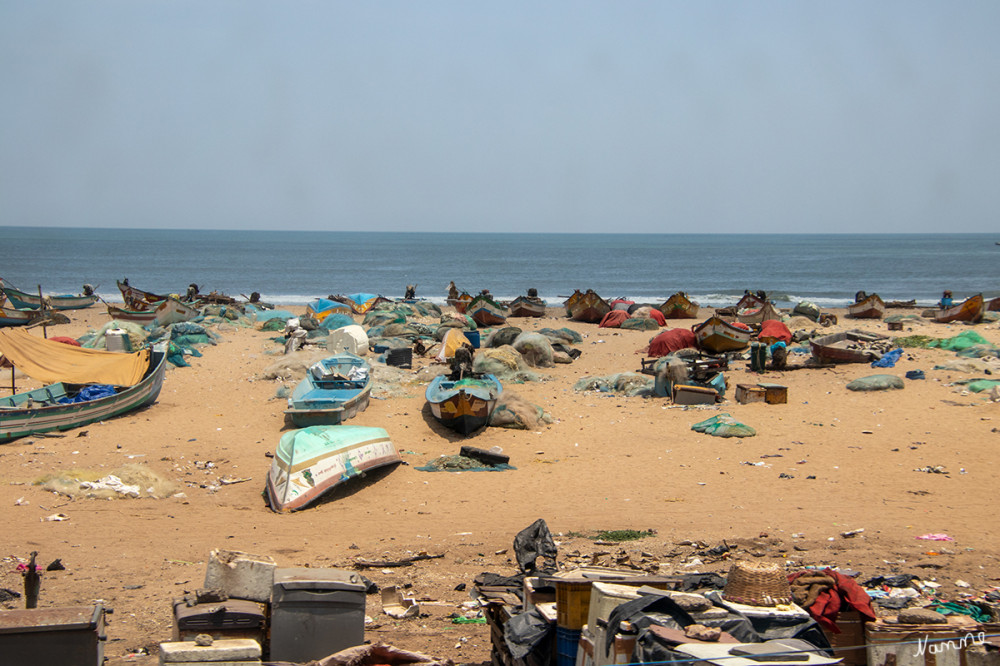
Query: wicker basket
{"points": [[757, 584]]}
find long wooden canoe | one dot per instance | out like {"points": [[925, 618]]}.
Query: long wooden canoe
{"points": [[39, 410], [970, 310], [10, 316], [845, 347], [25, 301], [590, 308], [679, 306], [871, 307], [310, 462], [527, 306], [571, 301], [486, 312], [718, 336], [168, 311], [137, 299]]}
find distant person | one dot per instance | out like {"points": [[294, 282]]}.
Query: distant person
{"points": [[860, 296], [411, 292], [946, 300], [452, 291]]}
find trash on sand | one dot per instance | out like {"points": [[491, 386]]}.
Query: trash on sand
{"points": [[394, 604], [724, 425], [935, 537]]}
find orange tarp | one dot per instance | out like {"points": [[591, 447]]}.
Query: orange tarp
{"points": [[50, 362]]}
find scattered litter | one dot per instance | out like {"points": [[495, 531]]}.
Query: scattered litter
{"points": [[935, 537]]}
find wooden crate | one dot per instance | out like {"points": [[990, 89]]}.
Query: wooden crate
{"points": [[747, 393], [775, 394], [694, 395]]}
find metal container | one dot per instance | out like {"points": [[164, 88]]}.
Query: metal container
{"points": [[315, 613], [42, 636], [117, 340], [233, 618]]}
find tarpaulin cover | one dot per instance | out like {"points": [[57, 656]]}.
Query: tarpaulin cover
{"points": [[672, 340], [453, 339], [776, 330], [613, 319], [51, 362]]}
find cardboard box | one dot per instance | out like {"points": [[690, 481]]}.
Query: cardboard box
{"points": [[240, 575]]}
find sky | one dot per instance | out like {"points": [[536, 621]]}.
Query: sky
{"points": [[618, 116]]}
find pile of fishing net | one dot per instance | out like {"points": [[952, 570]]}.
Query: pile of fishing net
{"points": [[648, 312], [458, 463], [670, 341], [635, 323], [457, 320], [135, 333], [383, 318], [613, 319], [293, 366], [502, 336], [336, 320], [506, 363], [565, 335], [724, 425], [535, 348], [513, 411], [629, 384], [876, 383], [260, 315]]}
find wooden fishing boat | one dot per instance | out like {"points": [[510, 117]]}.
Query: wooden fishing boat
{"points": [[334, 390], [970, 310], [870, 307], [461, 303], [41, 410], [465, 404], [527, 306], [311, 462], [486, 312], [752, 316], [10, 316], [901, 304], [137, 299], [590, 308], [166, 312], [845, 347], [716, 335], [993, 305], [572, 301], [679, 306], [25, 301], [360, 303]]}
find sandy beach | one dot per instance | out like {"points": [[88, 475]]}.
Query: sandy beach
{"points": [[834, 461]]}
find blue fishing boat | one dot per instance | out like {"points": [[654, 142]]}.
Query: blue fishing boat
{"points": [[463, 404], [361, 303], [11, 316], [334, 390]]}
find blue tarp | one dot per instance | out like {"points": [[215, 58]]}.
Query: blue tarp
{"points": [[88, 393]]}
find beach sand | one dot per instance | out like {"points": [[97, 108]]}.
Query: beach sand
{"points": [[605, 463]]}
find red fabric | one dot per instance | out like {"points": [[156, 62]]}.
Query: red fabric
{"points": [[63, 339], [848, 594], [671, 340], [613, 319], [774, 329], [657, 316], [739, 324]]}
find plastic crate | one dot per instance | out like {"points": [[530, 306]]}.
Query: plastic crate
{"points": [[572, 602], [567, 643]]}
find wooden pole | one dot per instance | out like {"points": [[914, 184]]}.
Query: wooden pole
{"points": [[41, 308]]}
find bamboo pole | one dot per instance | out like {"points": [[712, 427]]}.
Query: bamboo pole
{"points": [[41, 308]]}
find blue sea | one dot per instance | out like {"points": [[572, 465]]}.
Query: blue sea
{"points": [[293, 267]]}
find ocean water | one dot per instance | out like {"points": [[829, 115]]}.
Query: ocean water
{"points": [[295, 267]]}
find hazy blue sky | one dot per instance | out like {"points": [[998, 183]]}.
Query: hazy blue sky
{"points": [[624, 115]]}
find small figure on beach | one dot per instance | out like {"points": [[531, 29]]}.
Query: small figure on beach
{"points": [[860, 296], [946, 299], [486, 293], [192, 293], [411, 292], [461, 362], [452, 291], [295, 335]]}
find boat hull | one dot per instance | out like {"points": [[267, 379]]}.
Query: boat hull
{"points": [[522, 306], [871, 307], [970, 310], [718, 336], [168, 311], [463, 406], [311, 462], [137, 299], [835, 349], [590, 308], [461, 303], [25, 301], [486, 312], [20, 421], [679, 306], [330, 397]]}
